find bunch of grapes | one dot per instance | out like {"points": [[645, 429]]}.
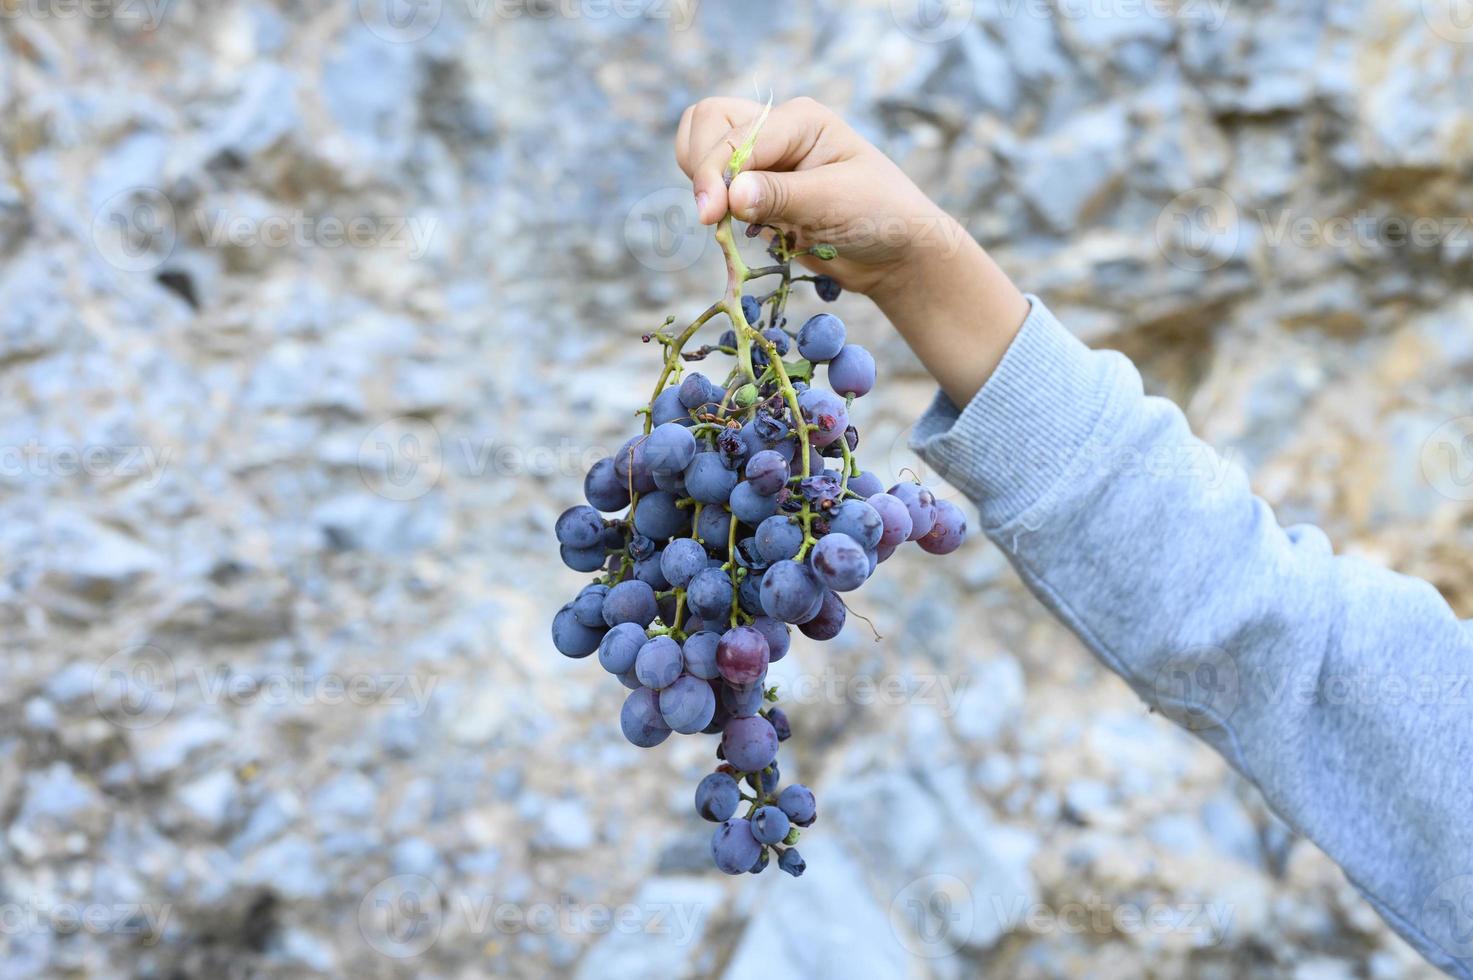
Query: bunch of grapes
{"points": [[744, 510]]}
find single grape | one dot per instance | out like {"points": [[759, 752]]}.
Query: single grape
{"points": [[681, 560], [603, 488], [641, 721], [859, 520], [829, 622], [648, 571], [588, 608], [733, 847], [921, 503], [778, 339], [884, 551], [673, 483], [700, 654], [743, 700], [630, 681], [667, 408], [713, 527], [826, 411], [767, 472], [798, 803], [894, 519], [779, 721], [866, 484], [709, 594], [749, 743], [769, 777], [717, 797], [949, 531], [732, 447], [792, 862], [620, 646], [742, 655], [751, 310], [790, 592], [639, 546], [631, 601], [670, 448], [697, 390], [839, 562], [583, 559], [748, 557], [778, 538], [659, 517], [852, 372], [571, 637], [708, 479], [749, 506], [659, 663], [827, 288], [727, 339], [632, 468], [821, 337], [749, 594], [579, 527], [687, 705], [769, 825], [776, 633], [760, 865]]}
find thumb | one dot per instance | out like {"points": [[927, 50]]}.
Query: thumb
{"points": [[765, 197]]}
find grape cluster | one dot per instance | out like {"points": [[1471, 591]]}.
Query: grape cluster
{"points": [[744, 510]]}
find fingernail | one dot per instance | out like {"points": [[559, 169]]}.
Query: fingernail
{"points": [[701, 200]]}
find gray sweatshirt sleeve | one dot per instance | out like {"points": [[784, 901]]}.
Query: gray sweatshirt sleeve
{"points": [[1340, 688]]}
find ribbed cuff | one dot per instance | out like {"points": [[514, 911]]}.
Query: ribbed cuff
{"points": [[1028, 425]]}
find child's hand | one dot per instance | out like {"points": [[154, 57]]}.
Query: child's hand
{"points": [[811, 174]]}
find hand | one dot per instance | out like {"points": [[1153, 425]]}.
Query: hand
{"points": [[814, 176]]}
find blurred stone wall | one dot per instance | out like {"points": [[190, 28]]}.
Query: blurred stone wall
{"points": [[312, 315]]}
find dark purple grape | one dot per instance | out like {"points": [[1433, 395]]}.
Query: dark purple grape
{"points": [[779, 721], [659, 516], [775, 632], [669, 449], [921, 503], [767, 472], [769, 825], [700, 654], [798, 803], [742, 655], [749, 506], [709, 594], [727, 339], [630, 681], [790, 592], [949, 531], [641, 721], [825, 410], [641, 547], [648, 571], [698, 390], [603, 488], [742, 700], [750, 744], [733, 847], [771, 427], [579, 527], [778, 538], [630, 602], [687, 705], [667, 408], [748, 557], [823, 487], [714, 527], [751, 310], [827, 288], [681, 560], [632, 467], [620, 646], [821, 337], [659, 663], [829, 622], [575, 640], [778, 339], [588, 608], [859, 520], [760, 865], [708, 479], [852, 372], [717, 797], [583, 559], [895, 520], [839, 562], [731, 446], [866, 484], [792, 862], [749, 594]]}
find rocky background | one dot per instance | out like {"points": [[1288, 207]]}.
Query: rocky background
{"points": [[312, 315]]}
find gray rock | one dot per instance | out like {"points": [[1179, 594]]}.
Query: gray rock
{"points": [[659, 933]]}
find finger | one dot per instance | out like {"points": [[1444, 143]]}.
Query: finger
{"points": [[797, 199], [704, 122], [792, 137], [716, 130]]}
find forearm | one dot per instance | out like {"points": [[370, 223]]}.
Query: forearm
{"points": [[955, 308], [1331, 683]]}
